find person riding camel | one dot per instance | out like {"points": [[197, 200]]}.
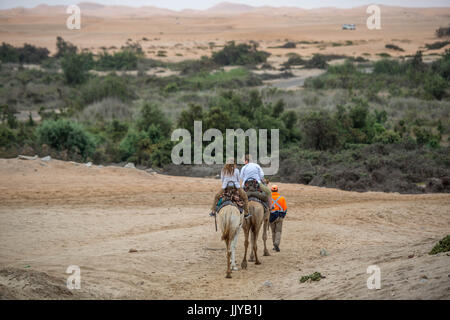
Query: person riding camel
{"points": [[230, 175], [252, 170]]}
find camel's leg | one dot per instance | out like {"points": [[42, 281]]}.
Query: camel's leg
{"points": [[252, 245], [265, 230], [228, 260], [233, 250], [244, 261], [255, 245]]}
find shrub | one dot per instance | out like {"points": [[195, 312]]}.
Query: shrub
{"points": [[188, 67], [423, 135], [435, 86], [387, 137], [442, 32], [393, 47], [106, 110], [436, 45], [171, 87], [99, 88], [319, 131], [125, 59], [64, 48], [317, 61], [316, 276], [66, 135], [388, 67], [241, 54], [25, 54], [294, 60], [7, 137], [150, 115], [442, 246], [75, 67], [442, 66], [235, 78]]}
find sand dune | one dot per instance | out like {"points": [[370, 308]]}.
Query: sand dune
{"points": [[57, 214], [189, 33]]}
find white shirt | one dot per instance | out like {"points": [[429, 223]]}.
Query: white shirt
{"points": [[251, 171], [234, 178]]}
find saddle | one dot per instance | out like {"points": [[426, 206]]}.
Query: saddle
{"points": [[254, 192], [252, 185], [230, 196]]}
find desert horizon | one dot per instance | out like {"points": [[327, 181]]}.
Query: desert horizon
{"points": [[188, 35]]}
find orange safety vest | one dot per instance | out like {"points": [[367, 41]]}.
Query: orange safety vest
{"points": [[278, 202]]}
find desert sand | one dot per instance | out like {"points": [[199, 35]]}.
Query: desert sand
{"points": [[191, 34], [55, 214]]}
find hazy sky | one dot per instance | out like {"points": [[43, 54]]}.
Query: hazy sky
{"points": [[203, 4]]}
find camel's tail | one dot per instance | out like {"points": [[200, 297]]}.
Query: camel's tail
{"points": [[229, 219]]}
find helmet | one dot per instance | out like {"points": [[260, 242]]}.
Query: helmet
{"points": [[274, 188]]}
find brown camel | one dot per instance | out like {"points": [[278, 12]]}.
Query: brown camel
{"points": [[230, 221], [254, 224]]}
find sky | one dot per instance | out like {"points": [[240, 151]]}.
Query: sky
{"points": [[204, 4]]}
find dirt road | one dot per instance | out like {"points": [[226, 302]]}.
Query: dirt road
{"points": [[57, 214]]}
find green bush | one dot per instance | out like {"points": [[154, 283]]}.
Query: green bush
{"points": [[171, 87], [425, 136], [151, 116], [125, 59], [66, 135], [191, 67], [319, 131], [294, 60], [387, 137], [99, 88], [435, 86], [436, 45], [316, 276], [393, 47], [442, 246], [388, 66], [317, 61], [442, 66], [64, 48], [235, 78], [76, 66], [241, 54], [25, 54], [7, 137]]}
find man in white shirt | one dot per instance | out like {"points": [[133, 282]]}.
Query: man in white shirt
{"points": [[252, 170]]}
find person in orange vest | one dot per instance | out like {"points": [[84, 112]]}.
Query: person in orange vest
{"points": [[277, 214]]}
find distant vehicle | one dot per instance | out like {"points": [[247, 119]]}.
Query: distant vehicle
{"points": [[348, 27]]}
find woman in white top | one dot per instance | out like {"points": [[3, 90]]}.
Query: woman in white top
{"points": [[230, 175]]}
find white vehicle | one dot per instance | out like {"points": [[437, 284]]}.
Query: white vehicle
{"points": [[348, 27]]}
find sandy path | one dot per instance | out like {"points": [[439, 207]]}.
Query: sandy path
{"points": [[57, 214]]}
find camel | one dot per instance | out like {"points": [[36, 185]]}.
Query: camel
{"points": [[253, 224], [230, 221]]}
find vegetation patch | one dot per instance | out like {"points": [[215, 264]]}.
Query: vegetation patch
{"points": [[393, 47], [316, 276], [436, 45], [442, 246]]}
